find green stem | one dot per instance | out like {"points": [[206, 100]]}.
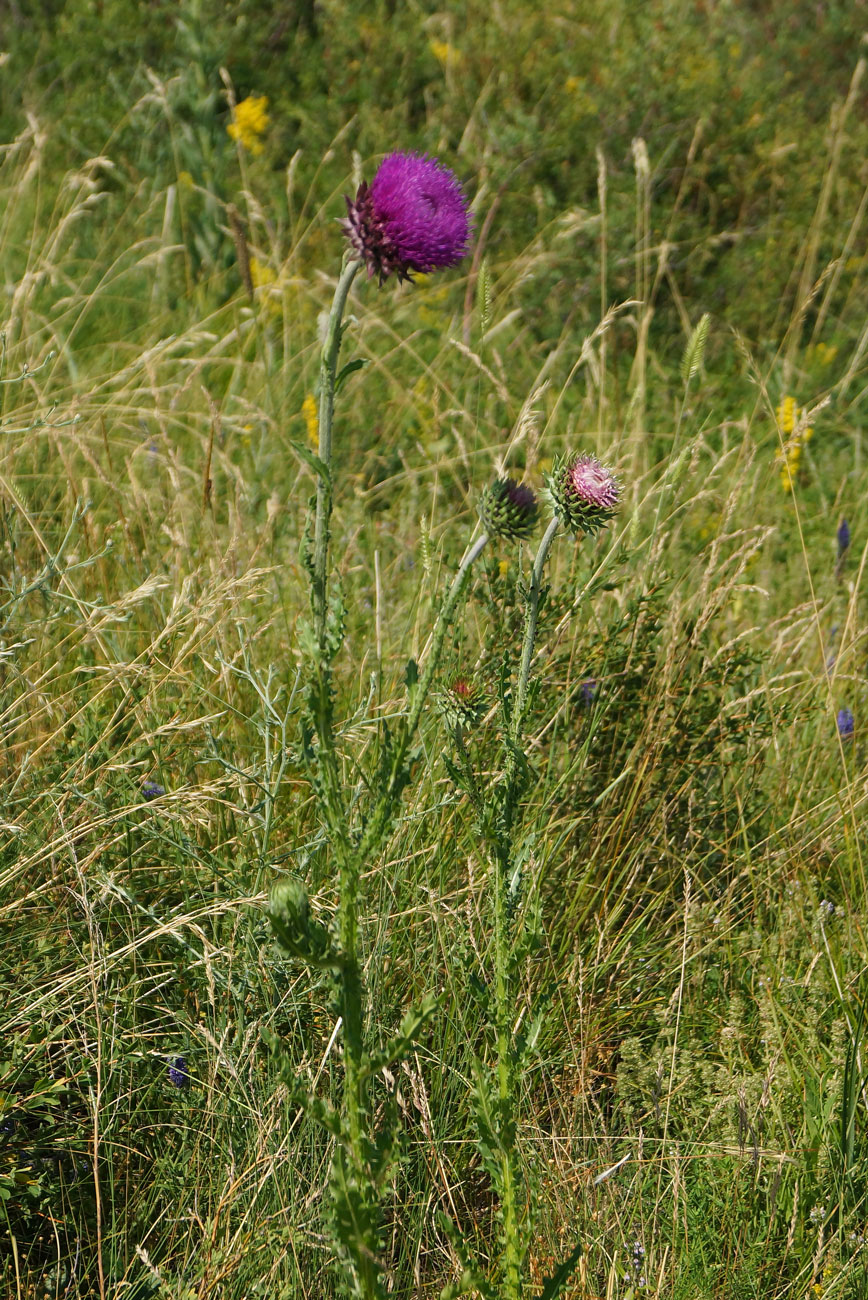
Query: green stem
{"points": [[513, 1251], [531, 616], [380, 818], [327, 376], [504, 994]]}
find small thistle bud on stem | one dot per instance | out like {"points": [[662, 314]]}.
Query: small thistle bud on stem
{"points": [[584, 493], [508, 509], [463, 703]]}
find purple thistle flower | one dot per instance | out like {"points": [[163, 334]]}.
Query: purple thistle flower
{"points": [[846, 724], [179, 1075], [412, 217], [151, 790], [584, 493]]}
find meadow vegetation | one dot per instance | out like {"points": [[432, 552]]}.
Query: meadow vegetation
{"points": [[691, 919]]}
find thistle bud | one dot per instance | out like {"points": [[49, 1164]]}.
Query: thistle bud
{"points": [[584, 493], [463, 703], [508, 509], [296, 930]]}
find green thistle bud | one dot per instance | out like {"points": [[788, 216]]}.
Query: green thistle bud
{"points": [[583, 492], [462, 703], [508, 509], [296, 930]]}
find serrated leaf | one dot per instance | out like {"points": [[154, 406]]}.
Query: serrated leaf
{"points": [[349, 369], [312, 461], [399, 1045], [554, 1285]]}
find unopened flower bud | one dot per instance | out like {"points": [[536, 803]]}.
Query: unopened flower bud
{"points": [[463, 703], [508, 509]]}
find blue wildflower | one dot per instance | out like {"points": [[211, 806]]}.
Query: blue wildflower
{"points": [[179, 1075], [152, 791], [846, 724], [588, 689], [843, 537]]}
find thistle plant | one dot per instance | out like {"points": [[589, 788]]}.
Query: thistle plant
{"points": [[583, 495], [413, 217]]}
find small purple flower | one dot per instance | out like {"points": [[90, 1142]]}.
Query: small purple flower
{"points": [[589, 690], [151, 790], [584, 493], [843, 537], [179, 1075], [412, 217], [846, 724]]}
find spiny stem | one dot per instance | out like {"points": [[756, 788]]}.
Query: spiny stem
{"points": [[531, 616], [379, 821], [327, 376], [504, 994]]}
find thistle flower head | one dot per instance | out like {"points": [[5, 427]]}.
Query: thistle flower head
{"points": [[584, 493], [412, 217], [846, 724], [508, 509], [463, 703], [179, 1075]]}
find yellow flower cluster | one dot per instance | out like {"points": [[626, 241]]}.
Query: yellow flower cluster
{"points": [[826, 353], [250, 121], [311, 421], [796, 434]]}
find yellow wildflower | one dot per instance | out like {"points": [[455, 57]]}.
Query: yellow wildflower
{"points": [[797, 434], [445, 54], [185, 180], [503, 568], [786, 413], [249, 121], [311, 420], [261, 273]]}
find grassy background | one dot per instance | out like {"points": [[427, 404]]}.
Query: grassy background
{"points": [[697, 830]]}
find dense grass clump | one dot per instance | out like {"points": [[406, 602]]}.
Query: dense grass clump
{"points": [[667, 273]]}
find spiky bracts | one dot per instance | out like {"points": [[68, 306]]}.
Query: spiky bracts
{"points": [[584, 493], [463, 703], [412, 217], [508, 509]]}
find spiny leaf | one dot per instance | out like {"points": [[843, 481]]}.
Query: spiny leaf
{"points": [[554, 1285], [313, 461]]}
